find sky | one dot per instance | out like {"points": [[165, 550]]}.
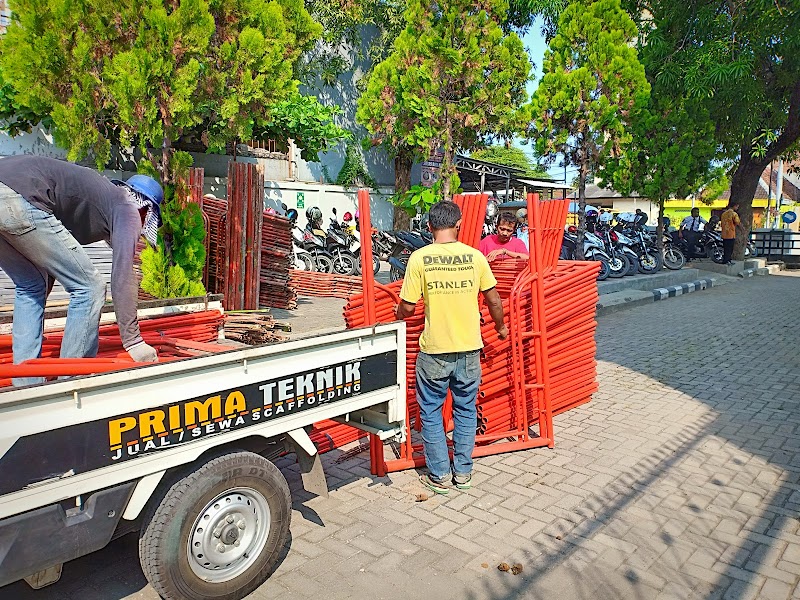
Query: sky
{"points": [[535, 45]]}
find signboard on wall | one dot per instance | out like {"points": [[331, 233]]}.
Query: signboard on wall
{"points": [[301, 200], [431, 168]]}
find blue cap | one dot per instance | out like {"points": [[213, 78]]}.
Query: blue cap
{"points": [[147, 187]]}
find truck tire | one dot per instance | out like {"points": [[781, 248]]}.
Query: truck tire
{"points": [[235, 507]]}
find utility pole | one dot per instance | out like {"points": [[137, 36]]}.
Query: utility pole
{"points": [[767, 217]]}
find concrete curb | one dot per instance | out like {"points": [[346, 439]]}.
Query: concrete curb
{"points": [[748, 273], [684, 288]]}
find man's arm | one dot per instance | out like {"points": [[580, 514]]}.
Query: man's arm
{"points": [[404, 310], [495, 305], [126, 228]]}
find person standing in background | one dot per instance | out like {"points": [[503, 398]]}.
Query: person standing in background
{"points": [[730, 222]]}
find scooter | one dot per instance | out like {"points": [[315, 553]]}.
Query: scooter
{"points": [[302, 260], [592, 250], [337, 245], [354, 242]]}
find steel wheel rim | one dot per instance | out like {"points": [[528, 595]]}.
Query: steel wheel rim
{"points": [[616, 264], [228, 535]]}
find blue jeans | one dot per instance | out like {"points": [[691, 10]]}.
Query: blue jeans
{"points": [[460, 372], [35, 249]]}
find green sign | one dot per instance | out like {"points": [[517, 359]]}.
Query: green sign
{"points": [[301, 200]]}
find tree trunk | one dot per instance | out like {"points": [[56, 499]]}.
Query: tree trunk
{"points": [[582, 171], [743, 188], [447, 171], [660, 228], [402, 183]]}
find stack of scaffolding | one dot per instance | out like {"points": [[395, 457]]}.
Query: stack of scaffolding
{"points": [[324, 285], [276, 251], [547, 364]]}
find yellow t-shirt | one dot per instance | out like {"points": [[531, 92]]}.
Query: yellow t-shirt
{"points": [[448, 277]]}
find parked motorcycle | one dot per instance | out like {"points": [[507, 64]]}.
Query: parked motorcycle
{"points": [[406, 243], [592, 250], [313, 241], [650, 261], [301, 259], [708, 244], [350, 230], [337, 245]]}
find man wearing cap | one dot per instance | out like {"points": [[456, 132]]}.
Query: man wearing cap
{"points": [[48, 208]]}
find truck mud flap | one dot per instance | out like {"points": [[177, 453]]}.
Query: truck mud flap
{"points": [[48, 536]]}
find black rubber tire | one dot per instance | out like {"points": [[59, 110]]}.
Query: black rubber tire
{"points": [[344, 264], [715, 253], [166, 526], [633, 269], [674, 259], [604, 270], [376, 265], [624, 268], [655, 265], [324, 263]]}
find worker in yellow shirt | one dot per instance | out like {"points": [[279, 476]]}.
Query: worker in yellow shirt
{"points": [[730, 221], [448, 276]]}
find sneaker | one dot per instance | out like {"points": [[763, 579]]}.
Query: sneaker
{"points": [[437, 486], [463, 482]]}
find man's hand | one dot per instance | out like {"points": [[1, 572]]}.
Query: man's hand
{"points": [[495, 254], [502, 331], [143, 353]]}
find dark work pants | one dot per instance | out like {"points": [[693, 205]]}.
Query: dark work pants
{"points": [[727, 248], [691, 238]]}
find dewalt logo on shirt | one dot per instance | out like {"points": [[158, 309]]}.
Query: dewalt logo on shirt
{"points": [[464, 259]]}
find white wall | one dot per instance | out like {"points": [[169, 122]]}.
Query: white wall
{"points": [[622, 205]]}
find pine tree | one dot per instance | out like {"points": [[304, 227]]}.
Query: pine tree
{"points": [[592, 83]]}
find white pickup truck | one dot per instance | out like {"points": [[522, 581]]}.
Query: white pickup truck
{"points": [[181, 453]]}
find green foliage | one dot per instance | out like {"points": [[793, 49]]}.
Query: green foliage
{"points": [[164, 280], [713, 188], [671, 152], [521, 14], [453, 79], [364, 29], [741, 62], [510, 156], [354, 171], [305, 120], [419, 198], [592, 83], [145, 73], [178, 262]]}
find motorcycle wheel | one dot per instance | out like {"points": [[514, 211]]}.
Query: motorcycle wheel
{"points": [[716, 253], [633, 269], [674, 259], [604, 270], [303, 261], [344, 264], [376, 265], [750, 250], [324, 263], [650, 263], [618, 266]]}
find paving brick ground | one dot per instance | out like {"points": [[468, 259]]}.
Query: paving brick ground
{"points": [[680, 480]]}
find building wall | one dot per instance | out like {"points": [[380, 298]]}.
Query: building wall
{"points": [[277, 188]]}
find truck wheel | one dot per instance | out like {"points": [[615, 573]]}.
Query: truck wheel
{"points": [[218, 531]]}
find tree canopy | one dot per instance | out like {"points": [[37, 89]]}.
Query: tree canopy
{"points": [[510, 156], [453, 79], [145, 73], [592, 84], [741, 60]]}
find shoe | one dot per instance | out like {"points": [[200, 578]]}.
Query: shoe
{"points": [[437, 486], [463, 482]]}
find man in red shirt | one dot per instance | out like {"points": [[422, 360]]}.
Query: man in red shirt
{"points": [[502, 244]]}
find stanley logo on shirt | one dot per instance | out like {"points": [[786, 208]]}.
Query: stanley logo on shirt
{"points": [[464, 259]]}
